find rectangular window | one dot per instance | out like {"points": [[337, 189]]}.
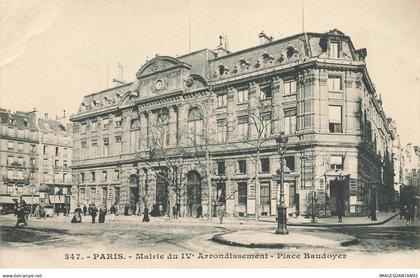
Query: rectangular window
{"points": [[265, 165], [56, 163], [290, 121], [10, 160], [265, 193], [243, 128], [95, 148], [106, 123], [20, 174], [45, 163], [221, 100], [334, 53], [20, 147], [94, 125], [82, 177], [243, 96], [118, 121], [118, 145], [56, 151], [33, 148], [265, 93], [65, 165], [221, 131], [20, 161], [84, 128], [44, 151], [336, 162], [45, 176], [290, 87], [242, 166], [64, 177], [220, 167], [116, 175], [33, 162], [106, 147], [117, 194], [10, 145], [335, 118], [334, 83], [104, 175], [242, 193], [93, 176], [266, 125], [290, 162]]}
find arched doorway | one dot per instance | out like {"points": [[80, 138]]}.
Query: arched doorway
{"points": [[133, 197], [193, 194], [161, 206]]}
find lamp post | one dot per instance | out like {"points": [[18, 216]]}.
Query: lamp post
{"points": [[281, 206]]}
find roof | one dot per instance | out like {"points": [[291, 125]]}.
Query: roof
{"points": [[24, 120], [46, 125]]}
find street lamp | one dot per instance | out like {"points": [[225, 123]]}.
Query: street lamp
{"points": [[281, 206]]}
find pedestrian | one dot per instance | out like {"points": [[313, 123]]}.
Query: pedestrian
{"points": [[402, 211], [199, 211], [373, 211], [411, 212], [21, 215], [77, 218], [84, 209], [102, 213], [146, 215], [93, 213], [340, 211], [175, 211], [113, 212], [221, 213]]}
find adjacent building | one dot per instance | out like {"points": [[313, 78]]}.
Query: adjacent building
{"points": [[35, 155], [197, 131]]}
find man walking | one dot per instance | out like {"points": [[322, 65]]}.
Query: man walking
{"points": [[21, 215], [93, 213]]}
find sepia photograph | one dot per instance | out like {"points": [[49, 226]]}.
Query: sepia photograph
{"points": [[209, 134]]}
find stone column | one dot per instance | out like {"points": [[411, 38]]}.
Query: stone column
{"points": [[278, 112], [143, 131], [172, 127], [125, 138], [151, 120], [182, 124]]}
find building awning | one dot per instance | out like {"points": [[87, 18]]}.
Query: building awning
{"points": [[29, 200], [6, 200], [59, 199]]}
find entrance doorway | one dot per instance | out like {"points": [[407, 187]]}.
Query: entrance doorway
{"points": [[339, 192], [133, 194], [161, 195], [219, 197], [193, 194]]}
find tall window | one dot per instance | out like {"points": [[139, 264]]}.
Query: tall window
{"points": [[265, 165], [106, 146], [118, 145], [242, 166], [195, 126], [221, 100], [116, 175], [334, 83], [118, 121], [10, 145], [106, 123], [265, 193], [56, 151], [93, 176], [95, 148], [334, 47], [221, 131], [83, 128], [290, 121], [265, 93], [242, 193], [82, 177], [104, 175], [290, 162], [266, 124], [44, 151], [335, 118], [10, 159], [243, 96], [336, 162], [290, 87], [243, 128], [33, 148], [94, 125], [221, 167], [20, 147], [163, 128]]}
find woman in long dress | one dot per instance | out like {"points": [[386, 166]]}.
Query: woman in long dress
{"points": [[102, 213], [77, 218]]}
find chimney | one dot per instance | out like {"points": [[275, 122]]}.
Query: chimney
{"points": [[64, 113], [222, 48], [46, 116], [264, 38]]}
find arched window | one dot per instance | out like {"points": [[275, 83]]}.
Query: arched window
{"points": [[195, 126]]}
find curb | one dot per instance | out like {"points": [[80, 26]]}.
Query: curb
{"points": [[337, 225], [219, 239]]}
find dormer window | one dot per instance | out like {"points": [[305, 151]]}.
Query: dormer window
{"points": [[222, 69], [290, 52], [334, 50]]}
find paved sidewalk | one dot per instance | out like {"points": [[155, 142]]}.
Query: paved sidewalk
{"points": [[266, 221]]}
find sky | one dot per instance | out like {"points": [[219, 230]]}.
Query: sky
{"points": [[52, 53]]}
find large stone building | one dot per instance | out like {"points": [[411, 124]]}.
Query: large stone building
{"points": [[211, 117], [35, 155]]}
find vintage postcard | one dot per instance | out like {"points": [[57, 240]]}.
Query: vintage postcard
{"points": [[211, 134]]}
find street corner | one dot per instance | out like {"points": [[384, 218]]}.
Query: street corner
{"points": [[299, 238]]}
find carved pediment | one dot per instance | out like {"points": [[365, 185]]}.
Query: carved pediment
{"points": [[158, 64]]}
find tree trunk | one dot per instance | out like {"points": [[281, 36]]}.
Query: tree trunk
{"points": [[257, 187], [209, 185]]}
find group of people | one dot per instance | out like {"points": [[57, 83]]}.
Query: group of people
{"points": [[93, 212], [408, 212]]}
